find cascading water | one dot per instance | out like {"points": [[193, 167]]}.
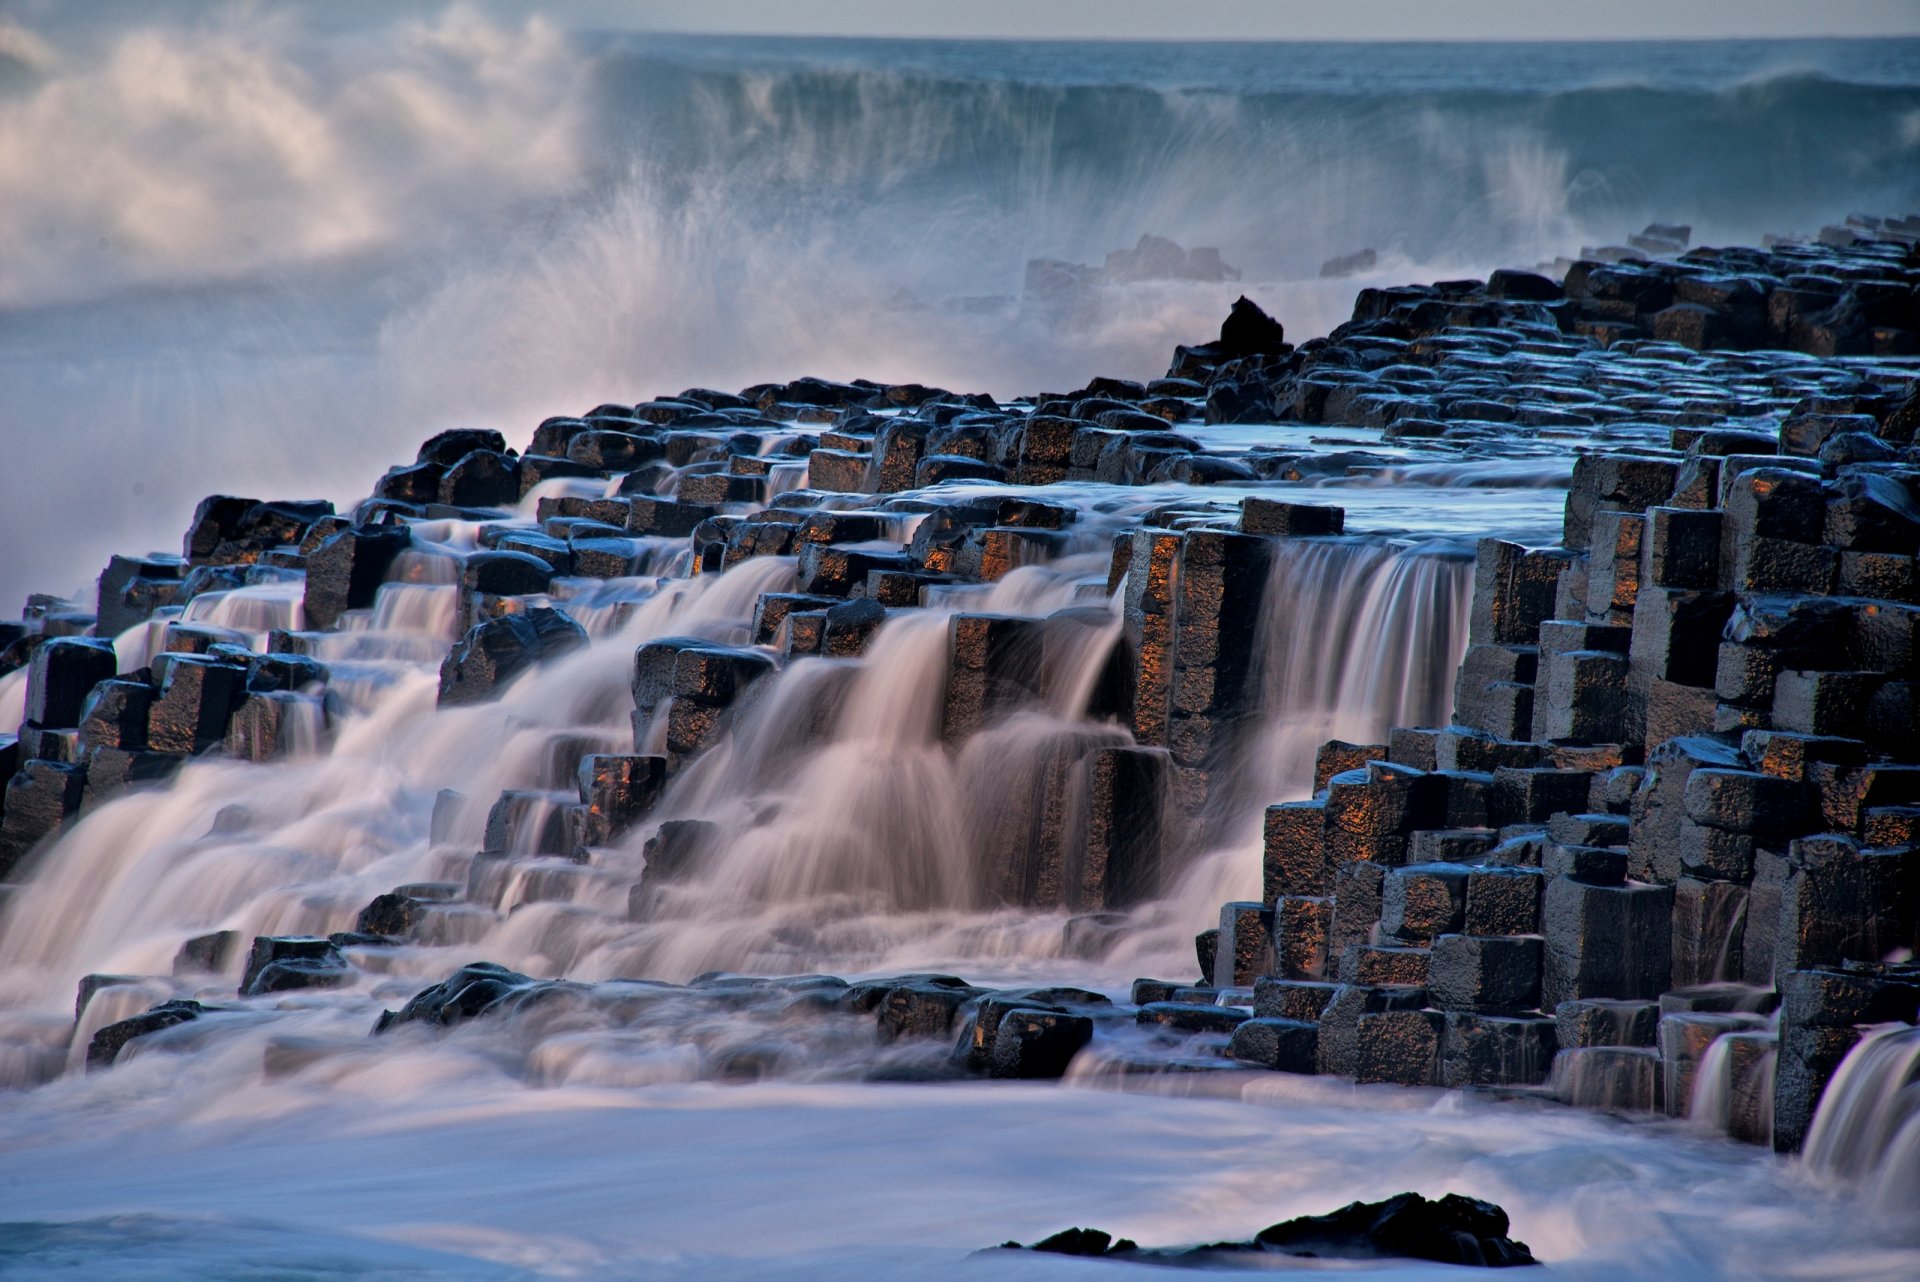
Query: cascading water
{"points": [[1867, 1130], [1356, 638], [845, 833]]}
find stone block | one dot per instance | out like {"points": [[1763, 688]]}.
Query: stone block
{"points": [[1410, 746], [1376, 964], [1127, 798], [1296, 999], [771, 610], [1616, 1079], [1614, 482], [1299, 931], [1495, 1050], [1837, 997], [1605, 941], [114, 715], [1709, 931], [1503, 901], [994, 665], [1750, 1059], [1745, 801], [345, 571], [1823, 703], [1485, 973], [285, 962], [922, 1009], [1840, 903], [1450, 845], [1493, 694], [1336, 758], [1582, 697], [1744, 675], [1514, 590], [266, 726], [1805, 1064], [1356, 905], [1036, 1044], [1613, 566], [1340, 1021], [1671, 710], [198, 697], [1659, 808], [1422, 902], [1683, 1041], [616, 790], [1399, 1046], [61, 674], [1294, 851], [1589, 865], [1462, 748], [40, 799], [1606, 1021], [1284, 1045], [1536, 795], [1188, 1017], [1368, 816], [1292, 520], [1676, 634], [1682, 548], [1245, 950], [1593, 829]]}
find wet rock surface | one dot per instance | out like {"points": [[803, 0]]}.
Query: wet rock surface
{"points": [[1677, 784]]}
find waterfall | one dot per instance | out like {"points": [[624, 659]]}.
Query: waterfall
{"points": [[1866, 1130], [832, 824], [1356, 637]]}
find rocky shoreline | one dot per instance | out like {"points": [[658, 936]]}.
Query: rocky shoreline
{"points": [[1670, 829]]}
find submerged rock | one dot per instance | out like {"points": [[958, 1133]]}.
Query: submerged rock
{"points": [[280, 963], [473, 990], [107, 1044]]}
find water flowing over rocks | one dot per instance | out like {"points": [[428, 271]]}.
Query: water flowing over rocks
{"points": [[1607, 798]]}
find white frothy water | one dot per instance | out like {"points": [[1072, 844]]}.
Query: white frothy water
{"points": [[297, 242], [1867, 1129]]}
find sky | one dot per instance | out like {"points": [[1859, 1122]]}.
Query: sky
{"points": [[1129, 19], [1272, 19]]}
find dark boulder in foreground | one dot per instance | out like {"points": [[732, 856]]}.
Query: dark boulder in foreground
{"points": [[494, 652], [1450, 1230]]}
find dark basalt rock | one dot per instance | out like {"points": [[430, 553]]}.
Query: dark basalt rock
{"points": [[474, 990], [1076, 1242], [346, 570], [1249, 331], [449, 447], [493, 652], [1450, 1230], [389, 915], [107, 1044], [284, 962]]}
